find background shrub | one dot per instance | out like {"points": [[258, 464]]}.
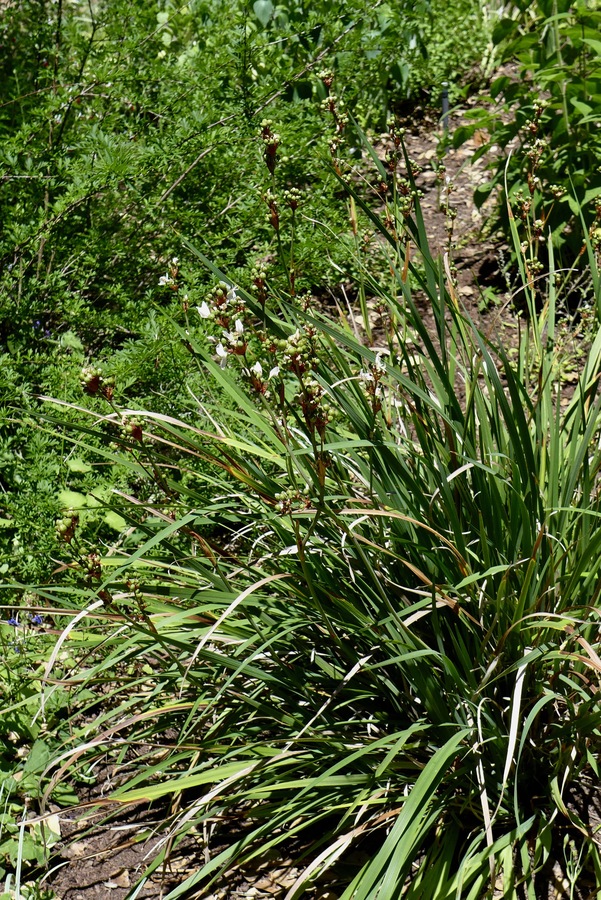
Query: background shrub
{"points": [[545, 120]]}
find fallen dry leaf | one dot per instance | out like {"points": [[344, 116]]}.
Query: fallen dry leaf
{"points": [[76, 850], [118, 879]]}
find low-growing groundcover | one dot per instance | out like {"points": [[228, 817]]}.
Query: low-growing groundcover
{"points": [[381, 631]]}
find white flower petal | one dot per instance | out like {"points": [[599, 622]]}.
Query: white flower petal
{"points": [[204, 310], [257, 369], [222, 354], [274, 372], [239, 326]]}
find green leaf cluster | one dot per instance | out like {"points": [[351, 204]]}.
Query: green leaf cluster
{"points": [[543, 122]]}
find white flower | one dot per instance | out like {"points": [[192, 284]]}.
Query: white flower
{"points": [[231, 295], [274, 372], [165, 279], [174, 261], [222, 354], [257, 369], [379, 366], [365, 376], [204, 310], [239, 326]]}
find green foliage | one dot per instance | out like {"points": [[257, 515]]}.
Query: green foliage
{"points": [[124, 125], [28, 740], [282, 564], [381, 630], [548, 118], [28, 891], [447, 56]]}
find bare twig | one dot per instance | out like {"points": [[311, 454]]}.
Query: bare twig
{"points": [[179, 180]]}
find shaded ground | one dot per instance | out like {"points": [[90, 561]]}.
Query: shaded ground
{"points": [[110, 862]]}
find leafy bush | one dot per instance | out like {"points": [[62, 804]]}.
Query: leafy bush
{"points": [[546, 116], [382, 632]]}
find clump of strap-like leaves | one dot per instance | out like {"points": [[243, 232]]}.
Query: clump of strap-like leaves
{"points": [[380, 633]]}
